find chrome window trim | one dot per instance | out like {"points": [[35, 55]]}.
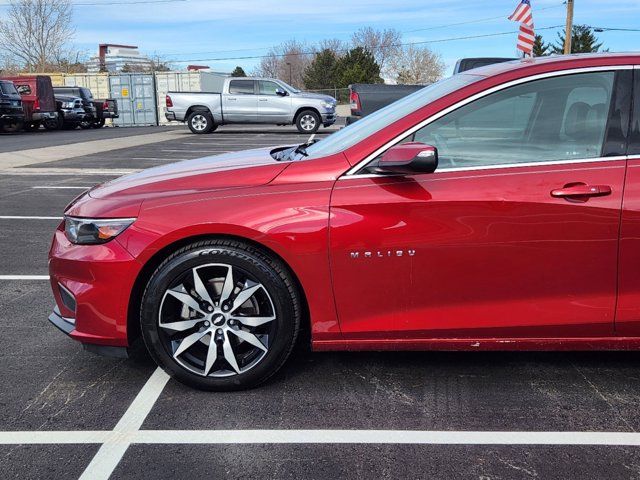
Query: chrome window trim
{"points": [[462, 103], [505, 165]]}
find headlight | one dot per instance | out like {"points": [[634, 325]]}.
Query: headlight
{"points": [[328, 105], [91, 231]]}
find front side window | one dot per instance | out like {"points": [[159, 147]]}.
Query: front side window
{"points": [[242, 87], [268, 88], [560, 118]]}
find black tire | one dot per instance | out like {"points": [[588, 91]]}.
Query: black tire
{"points": [[308, 121], [98, 123], [200, 122], [86, 125], [278, 286], [31, 126], [13, 127], [54, 123]]}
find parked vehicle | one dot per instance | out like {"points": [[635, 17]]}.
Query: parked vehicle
{"points": [[105, 109], [88, 102], [366, 98], [11, 112], [251, 100], [465, 64], [38, 102], [71, 113], [493, 210]]}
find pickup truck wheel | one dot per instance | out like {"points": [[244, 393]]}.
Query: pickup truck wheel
{"points": [[308, 121], [98, 123], [86, 125], [54, 123], [200, 122], [31, 126]]}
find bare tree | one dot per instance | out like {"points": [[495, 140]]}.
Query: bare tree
{"points": [[287, 62], [334, 45], [383, 44], [417, 65], [37, 32]]}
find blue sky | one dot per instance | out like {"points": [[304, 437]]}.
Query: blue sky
{"points": [[199, 31]]}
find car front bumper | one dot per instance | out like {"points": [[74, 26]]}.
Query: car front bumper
{"points": [[328, 119], [91, 285], [75, 115]]}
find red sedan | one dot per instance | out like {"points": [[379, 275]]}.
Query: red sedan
{"points": [[495, 209]]}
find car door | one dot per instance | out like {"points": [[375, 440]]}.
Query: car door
{"points": [[273, 108], [514, 235], [240, 105]]}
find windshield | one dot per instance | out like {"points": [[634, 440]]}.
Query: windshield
{"points": [[288, 87], [8, 88], [358, 131]]}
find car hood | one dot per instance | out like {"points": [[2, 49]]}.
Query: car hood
{"points": [[232, 170], [316, 96]]}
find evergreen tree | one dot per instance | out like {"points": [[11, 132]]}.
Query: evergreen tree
{"points": [[357, 66], [583, 40], [540, 48], [238, 72], [321, 72]]}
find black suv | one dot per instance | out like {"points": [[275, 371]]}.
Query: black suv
{"points": [[11, 113]]}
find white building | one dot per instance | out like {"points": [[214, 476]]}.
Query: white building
{"points": [[114, 58]]}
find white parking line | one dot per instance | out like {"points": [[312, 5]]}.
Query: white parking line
{"points": [[124, 438], [24, 277], [110, 453], [60, 188], [25, 217]]}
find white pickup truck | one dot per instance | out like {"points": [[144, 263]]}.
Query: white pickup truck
{"points": [[251, 100]]}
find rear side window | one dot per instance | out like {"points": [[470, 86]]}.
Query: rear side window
{"points": [[560, 118], [243, 87], [23, 89], [8, 88]]}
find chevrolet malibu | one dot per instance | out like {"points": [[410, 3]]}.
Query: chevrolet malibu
{"points": [[496, 209]]}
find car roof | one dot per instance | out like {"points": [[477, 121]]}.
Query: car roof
{"points": [[558, 62]]}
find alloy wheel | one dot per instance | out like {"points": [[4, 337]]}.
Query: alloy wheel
{"points": [[217, 320], [199, 122], [308, 122]]}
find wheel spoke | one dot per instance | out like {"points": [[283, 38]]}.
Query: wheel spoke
{"points": [[254, 321], [245, 295], [181, 326], [187, 299], [200, 288], [229, 356], [249, 338], [227, 288], [188, 341], [212, 355]]}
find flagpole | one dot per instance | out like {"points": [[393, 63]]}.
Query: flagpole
{"points": [[568, 28]]}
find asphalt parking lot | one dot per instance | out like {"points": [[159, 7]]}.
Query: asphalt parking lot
{"points": [[66, 413]]}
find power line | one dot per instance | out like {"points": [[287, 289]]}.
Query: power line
{"points": [[434, 27], [111, 2], [440, 40], [480, 20]]}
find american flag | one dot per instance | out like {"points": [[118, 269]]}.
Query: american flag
{"points": [[526, 37]]}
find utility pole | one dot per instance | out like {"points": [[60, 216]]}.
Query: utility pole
{"points": [[568, 28]]}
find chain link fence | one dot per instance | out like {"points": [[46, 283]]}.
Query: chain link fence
{"points": [[340, 94]]}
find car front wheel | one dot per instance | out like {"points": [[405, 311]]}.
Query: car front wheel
{"points": [[220, 315], [308, 121]]}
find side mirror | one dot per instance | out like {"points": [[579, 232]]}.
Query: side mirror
{"points": [[408, 158], [281, 91]]}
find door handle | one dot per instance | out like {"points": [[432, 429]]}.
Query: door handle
{"points": [[572, 190]]}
